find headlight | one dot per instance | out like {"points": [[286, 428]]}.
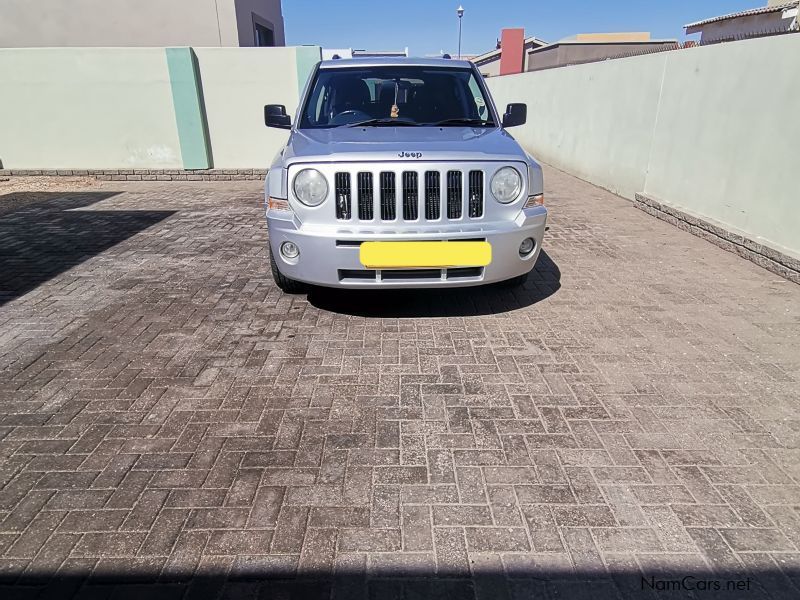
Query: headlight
{"points": [[506, 185], [310, 187]]}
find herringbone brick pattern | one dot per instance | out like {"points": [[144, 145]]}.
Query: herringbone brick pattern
{"points": [[171, 424]]}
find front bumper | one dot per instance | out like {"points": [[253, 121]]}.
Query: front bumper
{"points": [[329, 255]]}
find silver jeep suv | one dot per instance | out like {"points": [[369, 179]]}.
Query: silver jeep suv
{"points": [[400, 173]]}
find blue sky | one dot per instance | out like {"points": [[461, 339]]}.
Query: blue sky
{"points": [[427, 26]]}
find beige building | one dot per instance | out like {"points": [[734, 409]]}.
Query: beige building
{"points": [[590, 47], [778, 15], [54, 23]]}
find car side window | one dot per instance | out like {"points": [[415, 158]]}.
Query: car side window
{"points": [[315, 108]]}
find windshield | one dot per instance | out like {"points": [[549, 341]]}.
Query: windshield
{"points": [[396, 96]]}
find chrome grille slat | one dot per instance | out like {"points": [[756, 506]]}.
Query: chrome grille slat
{"points": [[433, 195], [454, 193], [388, 196], [343, 196], [366, 207], [410, 196]]}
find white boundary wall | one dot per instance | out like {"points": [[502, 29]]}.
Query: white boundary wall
{"points": [[237, 83], [87, 108], [115, 108], [713, 130]]}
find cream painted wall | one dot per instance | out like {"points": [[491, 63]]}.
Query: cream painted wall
{"points": [[237, 83], [106, 23], [579, 118], [727, 141], [710, 130], [74, 108], [113, 108], [141, 23]]}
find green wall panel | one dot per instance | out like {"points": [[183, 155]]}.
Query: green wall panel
{"points": [[187, 97], [307, 59]]}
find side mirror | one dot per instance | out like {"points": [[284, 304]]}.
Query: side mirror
{"points": [[275, 116], [516, 114]]}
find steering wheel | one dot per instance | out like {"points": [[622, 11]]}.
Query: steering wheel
{"points": [[350, 116]]}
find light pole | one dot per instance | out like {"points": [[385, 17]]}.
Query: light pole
{"points": [[460, 13]]}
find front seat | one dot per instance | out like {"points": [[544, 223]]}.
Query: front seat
{"points": [[351, 94], [423, 107]]}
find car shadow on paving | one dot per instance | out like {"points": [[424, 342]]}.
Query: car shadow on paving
{"points": [[42, 234], [516, 583], [543, 282]]}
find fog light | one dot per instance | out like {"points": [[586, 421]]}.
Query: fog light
{"points": [[526, 247], [290, 250]]}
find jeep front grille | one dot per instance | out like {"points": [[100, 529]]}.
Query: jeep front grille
{"points": [[433, 187]]}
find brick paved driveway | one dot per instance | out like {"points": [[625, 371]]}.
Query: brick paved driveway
{"points": [[170, 420]]}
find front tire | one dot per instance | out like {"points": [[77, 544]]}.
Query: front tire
{"points": [[286, 285]]}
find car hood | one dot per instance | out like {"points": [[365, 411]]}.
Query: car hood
{"points": [[362, 144]]}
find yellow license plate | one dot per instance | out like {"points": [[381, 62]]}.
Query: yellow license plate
{"points": [[421, 255]]}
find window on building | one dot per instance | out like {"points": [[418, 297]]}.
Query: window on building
{"points": [[264, 36]]}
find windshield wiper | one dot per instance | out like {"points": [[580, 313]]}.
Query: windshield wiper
{"points": [[464, 121], [384, 122]]}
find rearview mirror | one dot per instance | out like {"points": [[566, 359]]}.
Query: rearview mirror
{"points": [[275, 116], [516, 114]]}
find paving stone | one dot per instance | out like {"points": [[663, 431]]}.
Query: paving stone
{"points": [[290, 529], [369, 540], [584, 516], [461, 515], [451, 552], [339, 517], [702, 515], [248, 541], [496, 539], [626, 540], [757, 540]]}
